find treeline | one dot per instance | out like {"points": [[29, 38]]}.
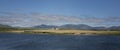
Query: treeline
{"points": [[7, 28]]}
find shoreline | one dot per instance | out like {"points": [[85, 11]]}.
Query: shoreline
{"points": [[64, 32]]}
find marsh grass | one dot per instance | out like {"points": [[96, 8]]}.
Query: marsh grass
{"points": [[66, 32]]}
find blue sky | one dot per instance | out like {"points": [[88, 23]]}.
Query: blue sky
{"points": [[58, 12]]}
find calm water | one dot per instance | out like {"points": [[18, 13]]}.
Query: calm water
{"points": [[58, 42]]}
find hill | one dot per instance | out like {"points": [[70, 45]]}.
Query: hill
{"points": [[77, 27]]}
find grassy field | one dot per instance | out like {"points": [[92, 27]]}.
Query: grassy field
{"points": [[73, 32]]}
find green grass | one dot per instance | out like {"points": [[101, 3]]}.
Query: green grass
{"points": [[59, 32]]}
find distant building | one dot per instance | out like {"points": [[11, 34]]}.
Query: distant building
{"points": [[55, 28], [27, 31]]}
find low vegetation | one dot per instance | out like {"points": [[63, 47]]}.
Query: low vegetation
{"points": [[66, 32], [60, 32]]}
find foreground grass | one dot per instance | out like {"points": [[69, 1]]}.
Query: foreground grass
{"points": [[66, 32]]}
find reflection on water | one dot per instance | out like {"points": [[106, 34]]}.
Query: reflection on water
{"points": [[58, 42]]}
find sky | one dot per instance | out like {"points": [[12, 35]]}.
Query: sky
{"points": [[26, 13]]}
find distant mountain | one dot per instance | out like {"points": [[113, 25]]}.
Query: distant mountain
{"points": [[114, 28], [1, 26], [63, 27], [99, 28], [77, 27], [5, 27], [43, 26], [66, 26]]}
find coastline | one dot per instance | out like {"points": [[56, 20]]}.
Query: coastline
{"points": [[65, 32]]}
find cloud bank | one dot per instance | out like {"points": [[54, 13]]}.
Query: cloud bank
{"points": [[31, 19]]}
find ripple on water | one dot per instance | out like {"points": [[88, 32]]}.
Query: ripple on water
{"points": [[58, 42]]}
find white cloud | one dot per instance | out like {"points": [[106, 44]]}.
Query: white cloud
{"points": [[18, 19]]}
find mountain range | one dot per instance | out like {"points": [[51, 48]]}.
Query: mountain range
{"points": [[68, 27], [77, 27], [1, 25]]}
